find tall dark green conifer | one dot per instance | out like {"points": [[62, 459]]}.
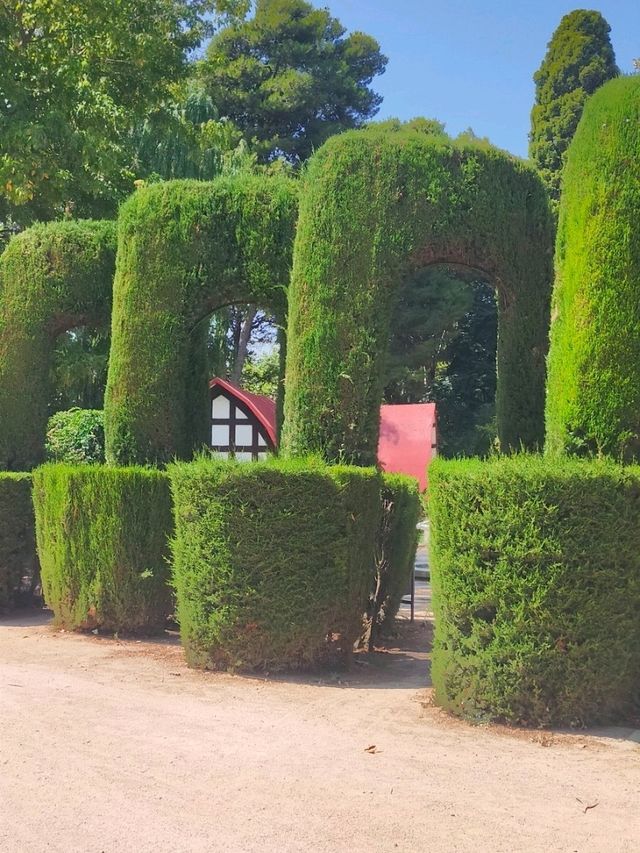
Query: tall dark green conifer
{"points": [[579, 59]]}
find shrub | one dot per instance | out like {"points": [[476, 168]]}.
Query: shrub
{"points": [[593, 389], [396, 551], [536, 579], [273, 561], [76, 436], [18, 562], [102, 537]]}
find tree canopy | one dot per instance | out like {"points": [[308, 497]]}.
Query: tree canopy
{"points": [[290, 77], [579, 59], [74, 78]]}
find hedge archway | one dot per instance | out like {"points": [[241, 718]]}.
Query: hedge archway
{"points": [[378, 205], [53, 277], [186, 248], [593, 396]]}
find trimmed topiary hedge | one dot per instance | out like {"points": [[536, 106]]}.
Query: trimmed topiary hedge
{"points": [[18, 561], [52, 277], [375, 206], [593, 393], [536, 585], [76, 436], [395, 553], [102, 537], [273, 561], [186, 248]]}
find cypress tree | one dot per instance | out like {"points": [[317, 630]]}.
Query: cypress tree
{"points": [[579, 59]]}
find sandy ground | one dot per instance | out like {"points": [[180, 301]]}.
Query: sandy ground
{"points": [[117, 746]]}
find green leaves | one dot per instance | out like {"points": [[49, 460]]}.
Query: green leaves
{"points": [[289, 77], [579, 59], [73, 79]]}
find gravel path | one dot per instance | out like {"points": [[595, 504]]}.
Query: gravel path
{"points": [[117, 746]]}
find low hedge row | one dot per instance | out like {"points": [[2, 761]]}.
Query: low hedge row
{"points": [[18, 561], [536, 574], [102, 537], [395, 552], [273, 561]]}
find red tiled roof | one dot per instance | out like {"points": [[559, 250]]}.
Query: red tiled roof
{"points": [[262, 407]]}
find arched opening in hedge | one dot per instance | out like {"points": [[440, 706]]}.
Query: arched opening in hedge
{"points": [[442, 349], [376, 206], [186, 249], [53, 278]]}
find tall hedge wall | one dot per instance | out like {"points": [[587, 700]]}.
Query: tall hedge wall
{"points": [[18, 562], [186, 248], [376, 205], [536, 585], [273, 561], [593, 396], [103, 541], [52, 278]]}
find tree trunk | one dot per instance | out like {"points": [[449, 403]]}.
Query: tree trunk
{"points": [[243, 343]]}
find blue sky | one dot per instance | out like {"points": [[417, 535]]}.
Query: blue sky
{"points": [[469, 63]]}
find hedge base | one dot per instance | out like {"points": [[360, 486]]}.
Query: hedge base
{"points": [[18, 561], [273, 562], [102, 537], [536, 588]]}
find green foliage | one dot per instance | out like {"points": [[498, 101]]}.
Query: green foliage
{"points": [[464, 386], [579, 59], [18, 562], [396, 547], [186, 248], [74, 78], [102, 537], [79, 369], [52, 278], [593, 395], [377, 205], [188, 139], [261, 374], [76, 436], [273, 561], [289, 77], [536, 582], [428, 306]]}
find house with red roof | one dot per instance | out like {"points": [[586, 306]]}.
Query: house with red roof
{"points": [[244, 425]]}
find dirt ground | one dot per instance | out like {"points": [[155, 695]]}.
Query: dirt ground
{"points": [[116, 746]]}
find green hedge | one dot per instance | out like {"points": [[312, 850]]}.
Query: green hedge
{"points": [[396, 551], [102, 537], [52, 277], [186, 248], [273, 561], [76, 436], [593, 392], [18, 561], [536, 585], [377, 205]]}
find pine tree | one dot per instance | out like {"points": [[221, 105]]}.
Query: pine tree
{"points": [[579, 59]]}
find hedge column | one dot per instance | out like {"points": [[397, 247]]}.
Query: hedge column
{"points": [[186, 248], [593, 402], [377, 205], [53, 277]]}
